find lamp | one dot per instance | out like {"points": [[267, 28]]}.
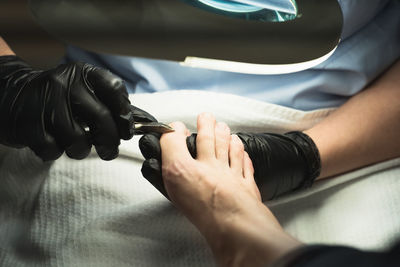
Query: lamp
{"points": [[248, 36]]}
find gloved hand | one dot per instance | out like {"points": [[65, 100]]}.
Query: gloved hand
{"points": [[282, 163], [49, 111]]}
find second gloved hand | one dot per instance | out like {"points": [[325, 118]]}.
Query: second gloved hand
{"points": [[282, 162], [68, 108]]}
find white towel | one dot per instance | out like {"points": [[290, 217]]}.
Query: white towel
{"points": [[96, 213]]}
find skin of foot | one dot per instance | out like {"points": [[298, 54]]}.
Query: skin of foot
{"points": [[218, 194]]}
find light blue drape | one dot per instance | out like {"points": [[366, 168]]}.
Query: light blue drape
{"points": [[370, 44]]}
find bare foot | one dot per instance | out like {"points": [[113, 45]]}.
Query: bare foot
{"points": [[218, 194]]}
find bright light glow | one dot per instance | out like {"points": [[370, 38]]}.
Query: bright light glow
{"points": [[231, 6], [249, 68], [286, 6], [248, 6]]}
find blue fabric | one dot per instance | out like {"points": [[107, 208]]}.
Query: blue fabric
{"points": [[357, 13], [371, 43]]}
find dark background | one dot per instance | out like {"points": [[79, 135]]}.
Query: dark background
{"points": [[161, 34], [25, 37]]}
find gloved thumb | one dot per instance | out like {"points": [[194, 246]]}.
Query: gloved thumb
{"points": [[151, 170]]}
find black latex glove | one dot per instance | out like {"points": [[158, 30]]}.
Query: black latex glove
{"points": [[49, 111], [282, 163]]}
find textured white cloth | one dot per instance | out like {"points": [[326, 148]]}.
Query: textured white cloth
{"points": [[96, 213]]}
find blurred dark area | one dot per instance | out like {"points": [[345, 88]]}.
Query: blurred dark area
{"points": [[165, 29], [174, 29], [25, 36]]}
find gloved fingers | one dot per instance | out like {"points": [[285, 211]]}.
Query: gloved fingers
{"points": [[135, 115], [139, 115], [70, 135], [80, 148], [78, 151], [150, 147], [111, 91], [236, 154], [151, 170], [46, 148], [102, 128], [222, 140], [105, 136], [191, 145], [205, 141]]}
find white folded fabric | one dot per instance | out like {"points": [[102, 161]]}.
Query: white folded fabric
{"points": [[96, 213]]}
